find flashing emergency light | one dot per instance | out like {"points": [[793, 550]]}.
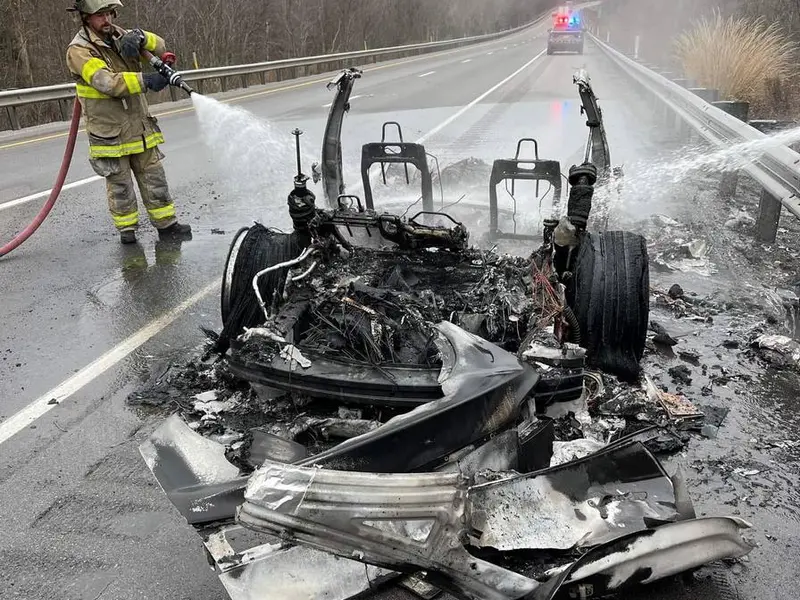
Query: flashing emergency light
{"points": [[567, 21]]}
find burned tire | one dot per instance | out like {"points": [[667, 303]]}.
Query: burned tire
{"points": [[230, 269], [252, 250], [610, 296]]}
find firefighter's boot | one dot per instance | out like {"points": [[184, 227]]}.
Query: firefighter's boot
{"points": [[127, 236], [176, 231]]}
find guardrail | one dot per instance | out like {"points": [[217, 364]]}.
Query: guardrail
{"points": [[777, 171], [300, 67]]}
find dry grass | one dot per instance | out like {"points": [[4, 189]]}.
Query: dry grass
{"points": [[741, 57]]}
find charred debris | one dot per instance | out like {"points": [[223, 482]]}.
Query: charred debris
{"points": [[458, 419]]}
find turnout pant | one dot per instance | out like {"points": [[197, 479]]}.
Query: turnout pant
{"points": [[152, 182]]}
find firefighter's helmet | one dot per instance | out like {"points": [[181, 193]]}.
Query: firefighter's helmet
{"points": [[90, 7]]}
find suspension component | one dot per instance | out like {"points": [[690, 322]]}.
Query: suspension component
{"points": [[582, 179], [302, 201]]}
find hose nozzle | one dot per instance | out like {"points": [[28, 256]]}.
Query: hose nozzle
{"points": [[170, 74]]}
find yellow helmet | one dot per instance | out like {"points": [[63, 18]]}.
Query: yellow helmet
{"points": [[90, 7]]}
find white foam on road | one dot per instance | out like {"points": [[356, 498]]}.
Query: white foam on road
{"points": [[42, 405]]}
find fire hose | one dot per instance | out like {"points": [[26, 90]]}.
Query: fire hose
{"points": [[164, 66]]}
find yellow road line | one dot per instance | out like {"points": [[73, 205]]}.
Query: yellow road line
{"points": [[243, 97]]}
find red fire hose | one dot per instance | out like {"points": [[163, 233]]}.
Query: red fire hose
{"points": [[62, 175]]}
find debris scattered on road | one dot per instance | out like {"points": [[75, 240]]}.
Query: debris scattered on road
{"points": [[779, 350], [661, 335], [681, 374], [687, 257], [690, 356], [677, 406], [675, 292], [746, 472]]}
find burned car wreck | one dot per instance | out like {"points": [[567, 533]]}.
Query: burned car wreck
{"points": [[389, 405]]}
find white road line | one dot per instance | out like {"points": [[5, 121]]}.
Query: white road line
{"points": [[489, 53], [46, 193], [426, 74], [93, 370], [463, 62], [479, 99], [359, 186], [356, 97]]}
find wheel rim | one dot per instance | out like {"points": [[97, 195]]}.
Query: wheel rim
{"points": [[230, 268]]}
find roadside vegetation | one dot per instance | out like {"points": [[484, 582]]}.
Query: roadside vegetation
{"points": [[748, 50], [746, 58]]}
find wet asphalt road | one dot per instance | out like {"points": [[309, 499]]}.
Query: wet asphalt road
{"points": [[82, 517]]}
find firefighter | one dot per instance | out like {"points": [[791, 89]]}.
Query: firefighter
{"points": [[123, 136]]}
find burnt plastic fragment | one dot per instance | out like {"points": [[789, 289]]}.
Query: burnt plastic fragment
{"points": [[535, 448], [267, 446]]}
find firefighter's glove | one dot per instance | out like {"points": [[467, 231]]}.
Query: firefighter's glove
{"points": [[155, 81], [130, 44]]}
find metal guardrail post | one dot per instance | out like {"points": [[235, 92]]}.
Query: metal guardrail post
{"points": [[769, 216], [730, 179], [63, 108], [13, 117]]}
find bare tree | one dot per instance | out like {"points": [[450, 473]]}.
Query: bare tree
{"points": [[223, 32]]}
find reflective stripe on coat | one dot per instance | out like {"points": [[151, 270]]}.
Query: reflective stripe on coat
{"points": [[111, 91]]}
